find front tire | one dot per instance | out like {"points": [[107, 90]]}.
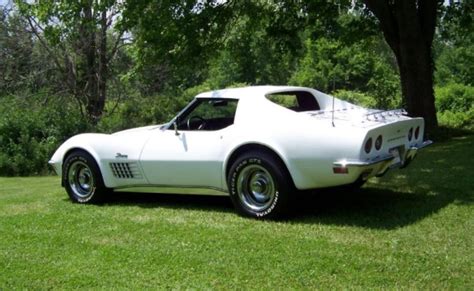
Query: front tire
{"points": [[82, 178], [260, 185]]}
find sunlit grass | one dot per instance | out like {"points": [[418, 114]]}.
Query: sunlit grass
{"points": [[411, 229]]}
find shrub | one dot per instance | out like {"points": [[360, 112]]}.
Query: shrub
{"points": [[357, 98], [455, 105], [454, 97], [31, 129], [458, 120]]}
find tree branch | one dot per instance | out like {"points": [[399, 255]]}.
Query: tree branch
{"points": [[43, 42], [116, 46]]}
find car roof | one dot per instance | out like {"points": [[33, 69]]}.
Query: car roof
{"points": [[250, 91]]}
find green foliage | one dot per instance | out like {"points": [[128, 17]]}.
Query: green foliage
{"points": [[457, 22], [357, 98], [455, 64], [455, 105], [454, 97], [177, 49], [173, 39], [330, 65], [454, 44], [30, 131], [140, 111], [260, 47], [456, 119]]}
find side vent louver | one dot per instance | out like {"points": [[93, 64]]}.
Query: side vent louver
{"points": [[125, 170]]}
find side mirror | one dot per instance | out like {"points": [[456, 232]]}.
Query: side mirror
{"points": [[175, 126]]}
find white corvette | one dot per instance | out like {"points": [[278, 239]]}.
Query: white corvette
{"points": [[258, 144]]}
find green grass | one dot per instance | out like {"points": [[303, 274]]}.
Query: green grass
{"points": [[411, 229]]}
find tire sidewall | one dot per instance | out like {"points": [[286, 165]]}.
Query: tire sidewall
{"points": [[281, 192], [81, 157]]}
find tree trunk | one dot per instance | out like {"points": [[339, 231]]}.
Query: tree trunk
{"points": [[102, 72], [416, 75], [91, 88], [408, 27]]}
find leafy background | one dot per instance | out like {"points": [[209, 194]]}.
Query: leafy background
{"points": [[161, 53]]}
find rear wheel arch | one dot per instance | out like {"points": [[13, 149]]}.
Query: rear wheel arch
{"points": [[242, 149], [259, 183]]}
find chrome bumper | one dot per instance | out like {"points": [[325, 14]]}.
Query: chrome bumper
{"points": [[380, 165], [56, 166]]}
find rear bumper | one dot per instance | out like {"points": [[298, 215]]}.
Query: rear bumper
{"points": [[379, 165]]}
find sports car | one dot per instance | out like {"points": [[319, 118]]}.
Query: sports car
{"points": [[258, 144]]}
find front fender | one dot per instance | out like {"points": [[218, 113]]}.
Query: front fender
{"points": [[84, 142]]}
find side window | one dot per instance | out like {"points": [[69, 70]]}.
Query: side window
{"points": [[209, 114], [298, 101]]}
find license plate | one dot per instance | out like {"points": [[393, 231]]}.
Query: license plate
{"points": [[396, 154]]}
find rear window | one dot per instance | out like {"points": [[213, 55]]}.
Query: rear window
{"points": [[298, 101]]}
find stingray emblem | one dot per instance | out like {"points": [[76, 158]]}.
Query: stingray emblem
{"points": [[120, 156]]}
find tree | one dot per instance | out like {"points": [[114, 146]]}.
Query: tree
{"points": [[454, 44], [16, 47], [172, 40], [260, 46], [408, 27], [75, 35]]}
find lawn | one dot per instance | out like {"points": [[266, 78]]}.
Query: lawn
{"points": [[414, 228]]}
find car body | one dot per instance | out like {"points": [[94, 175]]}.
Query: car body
{"points": [[308, 138]]}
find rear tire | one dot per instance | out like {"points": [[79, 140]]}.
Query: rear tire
{"points": [[82, 178], [260, 185]]}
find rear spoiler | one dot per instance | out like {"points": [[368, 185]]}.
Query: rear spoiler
{"points": [[382, 114]]}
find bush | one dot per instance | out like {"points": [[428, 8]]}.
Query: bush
{"points": [[357, 98], [30, 131], [454, 97], [455, 64], [140, 111], [455, 105], [330, 64], [458, 120]]}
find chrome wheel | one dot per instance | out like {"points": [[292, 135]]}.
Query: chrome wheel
{"points": [[256, 188], [81, 180]]}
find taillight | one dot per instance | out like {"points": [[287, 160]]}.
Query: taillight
{"points": [[417, 132], [378, 142], [410, 134], [368, 145]]}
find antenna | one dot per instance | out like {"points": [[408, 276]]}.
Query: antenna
{"points": [[333, 87]]}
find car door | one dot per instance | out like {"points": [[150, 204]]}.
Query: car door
{"points": [[191, 155]]}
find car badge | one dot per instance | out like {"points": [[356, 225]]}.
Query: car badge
{"points": [[120, 156]]}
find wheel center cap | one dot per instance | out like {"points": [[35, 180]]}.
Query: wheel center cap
{"points": [[258, 187], [83, 179]]}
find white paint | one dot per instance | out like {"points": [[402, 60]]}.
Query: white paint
{"points": [[306, 142]]}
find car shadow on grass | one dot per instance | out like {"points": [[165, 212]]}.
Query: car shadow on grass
{"points": [[368, 207], [172, 201]]}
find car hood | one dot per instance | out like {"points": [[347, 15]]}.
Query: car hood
{"points": [[137, 130]]}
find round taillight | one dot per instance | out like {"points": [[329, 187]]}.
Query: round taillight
{"points": [[417, 132], [368, 145], [378, 143], [410, 134]]}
